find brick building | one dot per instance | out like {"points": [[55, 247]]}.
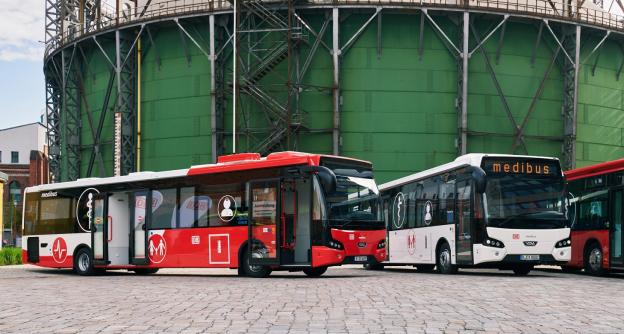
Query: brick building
{"points": [[23, 158]]}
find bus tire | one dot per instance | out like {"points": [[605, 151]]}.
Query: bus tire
{"points": [[522, 270], [425, 268], [315, 272], [145, 271], [254, 271], [593, 259], [375, 266], [83, 262], [443, 260]]}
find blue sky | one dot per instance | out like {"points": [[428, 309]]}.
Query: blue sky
{"points": [[22, 90]]}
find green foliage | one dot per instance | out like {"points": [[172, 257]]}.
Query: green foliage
{"points": [[10, 256]]}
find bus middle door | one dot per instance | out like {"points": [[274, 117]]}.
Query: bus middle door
{"points": [[464, 228], [99, 228], [264, 230], [615, 228]]}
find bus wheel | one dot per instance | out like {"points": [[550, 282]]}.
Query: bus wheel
{"points": [[145, 271], [315, 272], [522, 270], [593, 260], [425, 268], [376, 266], [83, 263], [443, 262], [254, 270]]}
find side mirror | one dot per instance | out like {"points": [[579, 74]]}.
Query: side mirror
{"points": [[480, 180], [326, 176]]}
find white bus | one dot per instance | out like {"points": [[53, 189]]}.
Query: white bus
{"points": [[481, 210]]}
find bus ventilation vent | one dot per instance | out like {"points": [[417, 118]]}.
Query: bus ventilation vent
{"points": [[238, 157]]}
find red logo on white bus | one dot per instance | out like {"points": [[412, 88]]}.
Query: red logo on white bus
{"points": [[59, 250], [411, 243], [516, 236], [157, 248]]}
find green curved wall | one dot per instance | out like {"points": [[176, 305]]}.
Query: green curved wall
{"points": [[398, 110]]}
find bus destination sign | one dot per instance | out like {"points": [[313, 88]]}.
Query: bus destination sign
{"points": [[525, 167]]}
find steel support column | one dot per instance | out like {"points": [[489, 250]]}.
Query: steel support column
{"points": [[462, 87], [53, 118], [336, 83], [126, 82], [71, 120], [213, 93], [572, 46]]}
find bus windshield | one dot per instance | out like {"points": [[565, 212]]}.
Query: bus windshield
{"points": [[354, 204], [521, 201]]}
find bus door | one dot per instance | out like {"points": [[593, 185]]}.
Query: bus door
{"points": [[138, 226], [264, 230], [98, 208], [616, 230], [464, 228], [295, 218]]}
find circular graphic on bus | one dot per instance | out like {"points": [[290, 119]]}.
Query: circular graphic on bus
{"points": [[157, 248], [59, 250], [428, 215], [84, 209], [398, 210], [227, 208]]}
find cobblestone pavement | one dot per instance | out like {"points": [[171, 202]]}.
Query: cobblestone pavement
{"points": [[344, 300]]}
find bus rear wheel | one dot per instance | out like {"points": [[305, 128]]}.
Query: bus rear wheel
{"points": [[443, 262], [83, 262], [256, 271], [593, 260], [145, 271], [522, 270], [315, 272]]}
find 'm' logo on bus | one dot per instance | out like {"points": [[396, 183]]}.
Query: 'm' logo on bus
{"points": [[411, 243]]}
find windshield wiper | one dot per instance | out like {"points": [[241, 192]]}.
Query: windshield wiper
{"points": [[534, 215]]}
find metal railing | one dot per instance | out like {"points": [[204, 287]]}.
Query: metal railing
{"points": [[172, 8]]}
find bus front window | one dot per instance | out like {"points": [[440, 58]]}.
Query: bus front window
{"points": [[354, 204], [519, 201]]}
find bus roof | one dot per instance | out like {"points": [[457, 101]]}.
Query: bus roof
{"points": [[470, 159], [597, 169], [227, 163]]}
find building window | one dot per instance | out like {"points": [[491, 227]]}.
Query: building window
{"points": [[0, 157], [14, 157]]}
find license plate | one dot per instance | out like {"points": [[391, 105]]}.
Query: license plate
{"points": [[361, 258], [529, 257]]}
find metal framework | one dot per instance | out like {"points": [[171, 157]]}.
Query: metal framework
{"points": [[270, 39]]}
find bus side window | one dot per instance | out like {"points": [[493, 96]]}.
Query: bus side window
{"points": [[593, 213], [164, 202], [31, 216]]}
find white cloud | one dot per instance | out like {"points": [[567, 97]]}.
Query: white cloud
{"points": [[21, 28]]}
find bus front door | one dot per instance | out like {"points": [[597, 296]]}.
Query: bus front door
{"points": [[616, 230], [295, 217], [99, 228], [264, 230], [464, 235]]}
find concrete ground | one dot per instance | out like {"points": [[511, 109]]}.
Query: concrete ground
{"points": [[344, 300]]}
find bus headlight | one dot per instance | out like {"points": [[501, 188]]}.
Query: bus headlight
{"points": [[490, 242], [381, 244], [564, 243], [335, 244]]}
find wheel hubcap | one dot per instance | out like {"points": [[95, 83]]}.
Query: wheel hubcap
{"points": [[83, 262], [256, 255], [445, 258], [595, 259]]}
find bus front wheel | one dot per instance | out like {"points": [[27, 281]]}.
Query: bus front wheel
{"points": [[83, 262], [593, 260], [443, 263], [256, 271], [315, 272], [145, 271], [522, 270]]}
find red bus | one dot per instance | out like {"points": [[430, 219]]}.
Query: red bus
{"points": [[288, 211], [596, 215]]}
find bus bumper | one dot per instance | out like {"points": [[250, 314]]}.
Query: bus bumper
{"points": [[484, 254]]}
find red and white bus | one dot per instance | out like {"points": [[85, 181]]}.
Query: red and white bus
{"points": [[288, 211], [596, 198], [481, 210]]}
